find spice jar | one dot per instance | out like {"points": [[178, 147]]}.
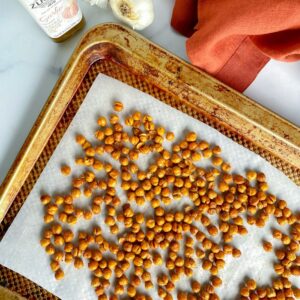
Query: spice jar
{"points": [[58, 18]]}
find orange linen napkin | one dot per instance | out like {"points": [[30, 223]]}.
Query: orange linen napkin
{"points": [[234, 39]]}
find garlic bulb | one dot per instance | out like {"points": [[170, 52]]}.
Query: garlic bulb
{"points": [[137, 13], [100, 3]]}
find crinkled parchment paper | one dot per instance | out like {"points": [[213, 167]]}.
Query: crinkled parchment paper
{"points": [[20, 249]]}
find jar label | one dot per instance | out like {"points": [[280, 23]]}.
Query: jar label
{"points": [[56, 17]]}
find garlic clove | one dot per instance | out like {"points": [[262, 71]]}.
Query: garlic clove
{"points": [[137, 13], [100, 3]]}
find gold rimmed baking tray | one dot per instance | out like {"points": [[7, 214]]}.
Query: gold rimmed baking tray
{"points": [[118, 52]]}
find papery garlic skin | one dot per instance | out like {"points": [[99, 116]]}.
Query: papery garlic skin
{"points": [[100, 3], [137, 13]]}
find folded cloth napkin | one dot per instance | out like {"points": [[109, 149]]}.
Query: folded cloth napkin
{"points": [[234, 39]]}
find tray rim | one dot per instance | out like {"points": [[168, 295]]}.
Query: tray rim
{"points": [[281, 136]]}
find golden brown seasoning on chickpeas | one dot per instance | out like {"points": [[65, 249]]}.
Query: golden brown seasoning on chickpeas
{"points": [[65, 170], [156, 236], [59, 274], [267, 246], [45, 199]]}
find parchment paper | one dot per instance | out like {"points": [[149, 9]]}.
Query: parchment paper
{"points": [[20, 249]]}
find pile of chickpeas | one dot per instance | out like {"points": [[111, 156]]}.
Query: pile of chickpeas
{"points": [[124, 267]]}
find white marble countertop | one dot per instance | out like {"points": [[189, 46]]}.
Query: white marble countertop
{"points": [[30, 64]]}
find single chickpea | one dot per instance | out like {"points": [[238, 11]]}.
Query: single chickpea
{"points": [[87, 214], [196, 156], [214, 270], [136, 116], [220, 263], [170, 286], [56, 229], [59, 200], [226, 167], [216, 281], [277, 284], [102, 121], [295, 270], [179, 262], [90, 151], [149, 285], [189, 263], [147, 263], [118, 106], [139, 218], [45, 242], [68, 235], [112, 264], [95, 281], [245, 292], [296, 292], [119, 289], [131, 290], [162, 280], [161, 292], [200, 253], [58, 240], [206, 265], [261, 177], [96, 255], [52, 208], [75, 193], [45, 199], [217, 161], [48, 234], [251, 175], [170, 136], [80, 139], [207, 244], [68, 248], [65, 170], [279, 269], [277, 234], [50, 249], [157, 259], [99, 135], [212, 230], [280, 254], [189, 252], [146, 276], [93, 265], [78, 263], [99, 290], [160, 131], [196, 286], [135, 280], [72, 220], [59, 274], [200, 236], [236, 253], [170, 264], [191, 136], [285, 239], [182, 295], [267, 246], [58, 255], [54, 265], [68, 258], [207, 153], [129, 121], [118, 272], [138, 261], [106, 273]]}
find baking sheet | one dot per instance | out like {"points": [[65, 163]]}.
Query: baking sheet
{"points": [[20, 249]]}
